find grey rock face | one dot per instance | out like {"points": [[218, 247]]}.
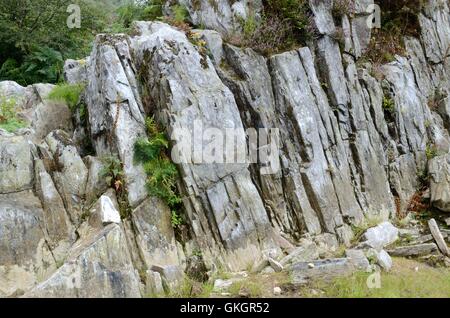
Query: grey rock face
{"points": [[223, 16], [25, 256], [344, 157], [439, 171], [227, 189], [154, 233], [16, 164], [115, 109], [75, 71], [98, 266], [71, 173]]}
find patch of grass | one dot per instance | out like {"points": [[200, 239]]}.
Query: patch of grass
{"points": [[8, 116], [402, 281], [67, 93], [192, 289], [246, 288], [13, 125]]}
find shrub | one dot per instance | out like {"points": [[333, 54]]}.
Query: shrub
{"points": [[67, 93], [8, 117], [42, 65]]}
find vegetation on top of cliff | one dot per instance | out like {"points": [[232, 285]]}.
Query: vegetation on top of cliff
{"points": [[8, 116], [398, 19], [284, 24]]}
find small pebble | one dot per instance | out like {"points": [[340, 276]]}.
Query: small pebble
{"points": [[311, 265]]}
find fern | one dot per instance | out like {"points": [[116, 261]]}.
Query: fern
{"points": [[161, 173]]}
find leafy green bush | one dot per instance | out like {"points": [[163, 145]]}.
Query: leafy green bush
{"points": [[43, 65], [67, 93], [161, 173], [8, 117], [35, 39]]}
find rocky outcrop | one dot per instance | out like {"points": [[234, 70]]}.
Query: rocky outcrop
{"points": [[343, 158]]}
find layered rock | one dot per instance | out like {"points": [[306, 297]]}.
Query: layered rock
{"points": [[343, 158]]}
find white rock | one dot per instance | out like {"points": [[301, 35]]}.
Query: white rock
{"points": [[277, 291], [108, 212], [381, 235], [221, 284], [384, 260]]}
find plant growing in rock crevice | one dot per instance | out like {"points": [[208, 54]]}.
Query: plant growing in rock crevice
{"points": [[284, 25], [112, 172], [161, 173]]}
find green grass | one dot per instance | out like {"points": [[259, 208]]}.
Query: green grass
{"points": [[8, 115], [192, 289], [403, 281], [67, 93], [13, 125]]}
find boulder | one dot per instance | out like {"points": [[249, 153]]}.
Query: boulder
{"points": [[172, 276], [358, 259], [153, 284], [59, 229], [154, 233], [324, 269], [384, 260], [380, 236], [306, 252]]}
